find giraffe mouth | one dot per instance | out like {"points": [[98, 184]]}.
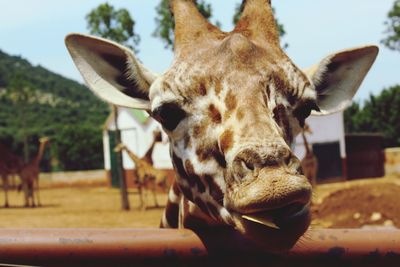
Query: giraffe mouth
{"points": [[278, 219], [276, 229], [261, 218]]}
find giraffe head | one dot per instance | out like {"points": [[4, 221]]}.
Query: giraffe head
{"points": [[231, 104], [44, 139], [157, 136], [119, 147]]}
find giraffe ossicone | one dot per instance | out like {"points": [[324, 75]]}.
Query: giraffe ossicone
{"points": [[231, 104]]}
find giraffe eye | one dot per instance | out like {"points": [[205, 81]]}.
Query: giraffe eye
{"points": [[304, 111], [169, 115]]}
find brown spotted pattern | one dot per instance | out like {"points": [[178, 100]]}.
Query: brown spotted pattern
{"points": [[238, 91], [226, 141], [214, 114]]}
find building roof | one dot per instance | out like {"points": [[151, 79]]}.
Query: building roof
{"points": [[140, 115]]}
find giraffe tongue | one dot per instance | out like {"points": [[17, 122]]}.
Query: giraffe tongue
{"points": [[261, 219]]}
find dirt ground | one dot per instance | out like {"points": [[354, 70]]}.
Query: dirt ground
{"points": [[80, 207], [360, 203], [354, 204]]}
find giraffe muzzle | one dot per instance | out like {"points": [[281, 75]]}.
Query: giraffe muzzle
{"points": [[271, 198], [268, 189]]}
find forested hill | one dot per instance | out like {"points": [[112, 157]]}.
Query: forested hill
{"points": [[45, 81], [36, 102]]}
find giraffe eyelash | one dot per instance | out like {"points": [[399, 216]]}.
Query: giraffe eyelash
{"points": [[169, 115], [304, 111]]}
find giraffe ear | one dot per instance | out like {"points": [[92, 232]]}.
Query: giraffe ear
{"points": [[111, 71], [338, 77]]}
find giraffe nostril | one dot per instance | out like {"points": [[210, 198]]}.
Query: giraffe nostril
{"points": [[242, 168], [288, 160], [300, 170], [248, 165]]}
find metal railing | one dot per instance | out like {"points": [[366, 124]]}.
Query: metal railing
{"points": [[165, 247]]}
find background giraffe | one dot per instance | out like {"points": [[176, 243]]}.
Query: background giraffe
{"points": [[157, 137], [309, 163], [29, 175], [10, 166], [231, 104], [147, 175]]}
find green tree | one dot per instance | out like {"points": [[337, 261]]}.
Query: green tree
{"points": [[22, 97], [353, 118], [79, 147], [47, 104], [392, 40], [378, 114], [165, 23], [113, 24]]}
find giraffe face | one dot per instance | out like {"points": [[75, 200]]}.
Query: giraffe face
{"points": [[230, 120], [231, 105]]}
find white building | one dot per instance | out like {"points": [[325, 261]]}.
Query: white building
{"points": [[328, 144], [137, 129]]}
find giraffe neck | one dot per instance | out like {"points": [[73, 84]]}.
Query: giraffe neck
{"points": [[40, 153], [182, 213], [147, 157], [132, 155], [306, 145]]}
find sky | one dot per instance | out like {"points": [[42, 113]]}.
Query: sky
{"points": [[35, 30]]}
